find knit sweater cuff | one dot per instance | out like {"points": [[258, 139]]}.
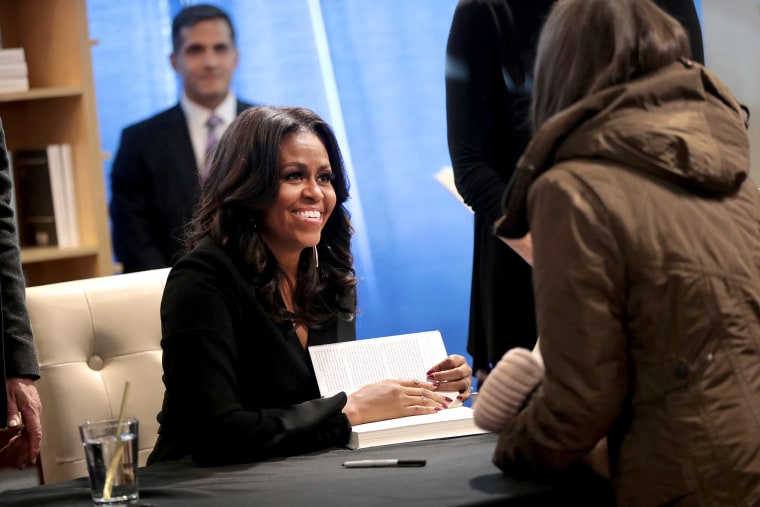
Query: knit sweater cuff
{"points": [[508, 385]]}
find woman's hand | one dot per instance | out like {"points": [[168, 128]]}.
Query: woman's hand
{"points": [[389, 399], [453, 374]]}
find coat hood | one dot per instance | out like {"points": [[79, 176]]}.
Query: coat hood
{"points": [[680, 124]]}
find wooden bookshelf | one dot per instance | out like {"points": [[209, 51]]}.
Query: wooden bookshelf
{"points": [[59, 108]]}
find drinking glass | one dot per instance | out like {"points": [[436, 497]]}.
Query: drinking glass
{"points": [[111, 451]]}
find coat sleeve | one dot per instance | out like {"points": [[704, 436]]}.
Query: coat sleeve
{"points": [[201, 360], [134, 233], [19, 355], [579, 287]]}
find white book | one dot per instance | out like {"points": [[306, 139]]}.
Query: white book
{"points": [[452, 422], [55, 166], [69, 195], [348, 366], [12, 55], [14, 84], [13, 70]]}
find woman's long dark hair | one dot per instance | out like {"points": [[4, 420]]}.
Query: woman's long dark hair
{"points": [[243, 180], [588, 45]]}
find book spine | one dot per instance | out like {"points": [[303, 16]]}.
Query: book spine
{"points": [[55, 166], [34, 198], [12, 55], [69, 195], [14, 84], [13, 70]]}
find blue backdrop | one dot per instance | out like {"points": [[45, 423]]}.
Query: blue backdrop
{"points": [[375, 71]]}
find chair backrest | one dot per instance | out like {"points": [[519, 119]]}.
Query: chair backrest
{"points": [[93, 336]]}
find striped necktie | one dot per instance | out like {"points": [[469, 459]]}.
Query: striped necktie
{"points": [[211, 140]]}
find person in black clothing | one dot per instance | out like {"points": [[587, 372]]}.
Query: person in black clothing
{"points": [[489, 58], [268, 273]]}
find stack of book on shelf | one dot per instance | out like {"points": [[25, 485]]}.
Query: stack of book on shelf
{"points": [[14, 74], [347, 366], [45, 197]]}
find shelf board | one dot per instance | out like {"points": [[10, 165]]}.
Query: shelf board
{"points": [[31, 255], [42, 93]]}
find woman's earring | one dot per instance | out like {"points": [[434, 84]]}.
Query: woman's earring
{"points": [[316, 257], [253, 222]]}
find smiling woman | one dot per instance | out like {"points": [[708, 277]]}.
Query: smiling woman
{"points": [[269, 272]]}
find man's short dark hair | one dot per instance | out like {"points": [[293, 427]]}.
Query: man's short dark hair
{"points": [[193, 14]]}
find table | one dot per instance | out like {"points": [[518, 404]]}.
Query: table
{"points": [[458, 472]]}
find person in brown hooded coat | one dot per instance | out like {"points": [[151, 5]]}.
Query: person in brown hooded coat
{"points": [[646, 233]]}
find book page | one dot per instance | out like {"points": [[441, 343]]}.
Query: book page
{"points": [[347, 366]]}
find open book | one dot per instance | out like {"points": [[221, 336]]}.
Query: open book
{"points": [[348, 366]]}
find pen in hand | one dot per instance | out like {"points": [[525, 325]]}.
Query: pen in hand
{"points": [[379, 463]]}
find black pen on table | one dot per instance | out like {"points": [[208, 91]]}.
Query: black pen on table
{"points": [[382, 463]]}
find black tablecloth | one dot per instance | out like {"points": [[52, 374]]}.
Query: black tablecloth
{"points": [[458, 472]]}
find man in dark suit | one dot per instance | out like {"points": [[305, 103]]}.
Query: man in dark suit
{"points": [[156, 173]]}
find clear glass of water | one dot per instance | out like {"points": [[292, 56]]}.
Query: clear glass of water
{"points": [[111, 452]]}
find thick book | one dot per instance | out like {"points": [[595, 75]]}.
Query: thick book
{"points": [[69, 197], [12, 55], [13, 70], [45, 198], [14, 84], [348, 366], [14, 73], [452, 422], [34, 198]]}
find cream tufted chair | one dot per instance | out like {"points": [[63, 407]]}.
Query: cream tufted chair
{"points": [[92, 336]]}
